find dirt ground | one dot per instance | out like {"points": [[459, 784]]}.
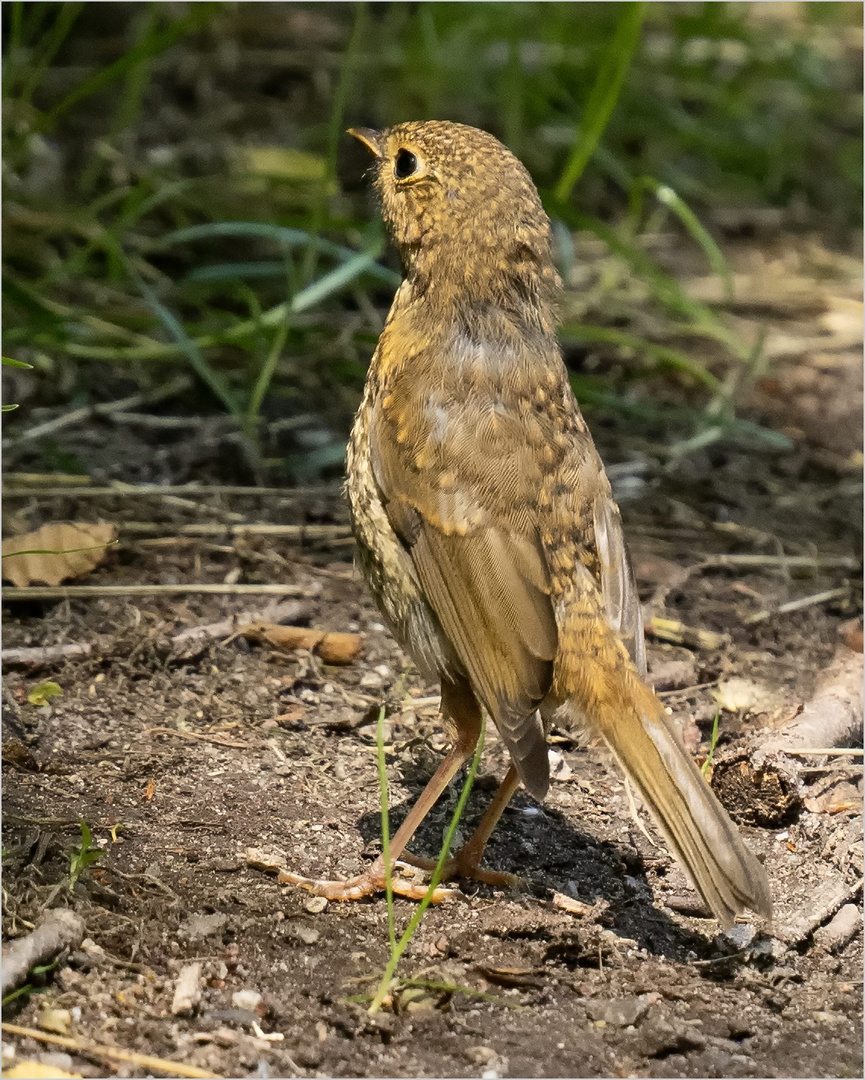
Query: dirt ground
{"points": [[180, 759]]}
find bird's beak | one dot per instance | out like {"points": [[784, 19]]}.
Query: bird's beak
{"points": [[372, 140]]}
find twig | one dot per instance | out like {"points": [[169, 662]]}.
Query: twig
{"points": [[276, 613], [259, 528], [797, 605], [164, 423], [830, 751], [686, 689], [185, 644], [114, 1053], [47, 654], [130, 491], [59, 929], [331, 647], [676, 632], [195, 735], [78, 416], [94, 592], [790, 562]]}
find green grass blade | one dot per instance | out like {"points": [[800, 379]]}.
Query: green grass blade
{"points": [[51, 42], [235, 271], [151, 46], [188, 347], [334, 281], [662, 355], [385, 829], [698, 232], [612, 69], [414, 922], [265, 376]]}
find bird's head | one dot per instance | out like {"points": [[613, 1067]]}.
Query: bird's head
{"points": [[456, 199]]}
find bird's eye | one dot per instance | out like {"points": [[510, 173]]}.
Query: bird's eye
{"points": [[406, 165]]}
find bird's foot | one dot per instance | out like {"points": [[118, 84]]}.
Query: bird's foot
{"points": [[466, 865], [367, 884]]}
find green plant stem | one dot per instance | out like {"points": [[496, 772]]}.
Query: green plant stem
{"points": [[263, 381], [385, 829], [399, 949], [662, 355]]}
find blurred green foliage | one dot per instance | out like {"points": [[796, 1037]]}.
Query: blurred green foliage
{"points": [[176, 194]]}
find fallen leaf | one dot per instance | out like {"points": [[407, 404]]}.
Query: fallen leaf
{"points": [[742, 695], [42, 694], [55, 553]]}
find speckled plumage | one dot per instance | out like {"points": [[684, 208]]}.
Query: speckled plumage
{"points": [[484, 520]]}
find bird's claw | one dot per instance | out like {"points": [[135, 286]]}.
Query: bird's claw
{"points": [[357, 888]]}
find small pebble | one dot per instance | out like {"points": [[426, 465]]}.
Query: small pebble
{"points": [[246, 999], [57, 1021], [315, 905]]}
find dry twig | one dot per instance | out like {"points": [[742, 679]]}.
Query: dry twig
{"points": [[59, 929], [216, 739], [113, 1053], [94, 592]]}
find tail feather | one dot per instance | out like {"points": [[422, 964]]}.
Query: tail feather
{"points": [[692, 820], [597, 687]]}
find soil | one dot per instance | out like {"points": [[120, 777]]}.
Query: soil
{"points": [[180, 761]]}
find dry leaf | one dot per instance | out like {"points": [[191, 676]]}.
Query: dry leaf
{"points": [[55, 553], [743, 695]]}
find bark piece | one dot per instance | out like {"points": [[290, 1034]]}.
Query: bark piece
{"points": [[59, 929], [187, 989], [823, 902], [332, 648]]}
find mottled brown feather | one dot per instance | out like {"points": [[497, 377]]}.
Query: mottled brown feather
{"points": [[484, 520]]}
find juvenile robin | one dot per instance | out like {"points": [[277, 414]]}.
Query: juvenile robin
{"points": [[484, 521]]}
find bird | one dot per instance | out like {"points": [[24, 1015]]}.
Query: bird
{"points": [[484, 521]]}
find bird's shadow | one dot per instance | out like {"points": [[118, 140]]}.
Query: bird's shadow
{"points": [[540, 845]]}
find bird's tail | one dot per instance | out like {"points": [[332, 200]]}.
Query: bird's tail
{"points": [[605, 692]]}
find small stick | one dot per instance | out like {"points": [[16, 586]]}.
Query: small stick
{"points": [[78, 416], [797, 605], [195, 735], [834, 751], [93, 592], [184, 643], [676, 632], [332, 647], [259, 528], [791, 562], [114, 1053], [59, 929], [134, 491], [37, 657]]}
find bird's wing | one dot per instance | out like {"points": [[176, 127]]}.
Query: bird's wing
{"points": [[618, 585], [459, 479]]}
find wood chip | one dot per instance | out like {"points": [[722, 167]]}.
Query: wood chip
{"points": [[573, 907], [332, 648], [187, 989]]}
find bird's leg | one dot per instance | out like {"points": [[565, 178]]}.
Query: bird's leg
{"points": [[460, 706], [466, 862]]}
